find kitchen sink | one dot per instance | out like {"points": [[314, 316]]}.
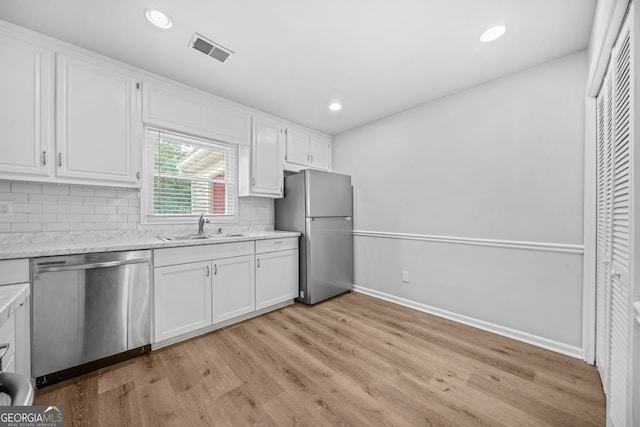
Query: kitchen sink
{"points": [[189, 237], [185, 237]]}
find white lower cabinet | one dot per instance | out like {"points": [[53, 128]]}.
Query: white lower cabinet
{"points": [[233, 287], [182, 299], [15, 332], [276, 277], [199, 288], [16, 329], [23, 339], [8, 337]]}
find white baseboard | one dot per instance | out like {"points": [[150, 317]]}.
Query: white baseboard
{"points": [[526, 337]]}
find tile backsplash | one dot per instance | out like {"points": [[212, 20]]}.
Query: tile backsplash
{"points": [[61, 207]]}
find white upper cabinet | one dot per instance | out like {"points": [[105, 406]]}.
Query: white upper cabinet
{"points": [[181, 110], [25, 110], [297, 147], [320, 152], [98, 130], [261, 168], [305, 149], [70, 116]]}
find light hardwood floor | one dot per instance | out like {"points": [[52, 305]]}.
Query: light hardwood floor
{"points": [[353, 360]]}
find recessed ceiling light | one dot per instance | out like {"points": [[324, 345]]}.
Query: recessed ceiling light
{"points": [[157, 18], [335, 106], [493, 33]]}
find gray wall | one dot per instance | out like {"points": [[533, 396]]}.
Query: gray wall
{"points": [[499, 167]]}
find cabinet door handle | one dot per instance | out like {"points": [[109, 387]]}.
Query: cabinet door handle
{"points": [[312, 158], [615, 274], [208, 271], [215, 269], [258, 262], [253, 181], [137, 175], [307, 157], [44, 158], [60, 160]]}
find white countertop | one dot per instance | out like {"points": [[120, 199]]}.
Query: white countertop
{"points": [[11, 296], [29, 245]]}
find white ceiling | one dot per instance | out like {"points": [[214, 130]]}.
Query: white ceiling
{"points": [[294, 57]]}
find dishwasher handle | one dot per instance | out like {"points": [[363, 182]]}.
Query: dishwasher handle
{"points": [[91, 265]]}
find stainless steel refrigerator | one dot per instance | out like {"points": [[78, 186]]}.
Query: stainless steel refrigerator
{"points": [[320, 205]]}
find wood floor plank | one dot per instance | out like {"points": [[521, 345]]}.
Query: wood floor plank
{"points": [[218, 377], [158, 405], [83, 398], [365, 317], [437, 401], [422, 408], [353, 360], [338, 397], [122, 403]]}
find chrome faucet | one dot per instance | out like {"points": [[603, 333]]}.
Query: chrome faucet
{"points": [[201, 222]]}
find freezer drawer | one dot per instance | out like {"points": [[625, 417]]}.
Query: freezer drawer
{"points": [[328, 258]]}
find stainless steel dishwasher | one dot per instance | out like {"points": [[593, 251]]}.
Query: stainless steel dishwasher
{"points": [[89, 310]]}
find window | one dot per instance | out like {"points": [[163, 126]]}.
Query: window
{"points": [[187, 177]]}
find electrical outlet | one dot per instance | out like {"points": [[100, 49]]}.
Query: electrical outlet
{"points": [[405, 276], [6, 209]]}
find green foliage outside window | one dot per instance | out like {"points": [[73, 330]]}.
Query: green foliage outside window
{"points": [[172, 194]]}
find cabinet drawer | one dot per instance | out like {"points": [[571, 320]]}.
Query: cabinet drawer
{"points": [[271, 245], [14, 271], [185, 254]]}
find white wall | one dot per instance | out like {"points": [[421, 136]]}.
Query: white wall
{"points": [[502, 161]]}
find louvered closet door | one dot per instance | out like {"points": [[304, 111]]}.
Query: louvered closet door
{"points": [[604, 207], [619, 358]]}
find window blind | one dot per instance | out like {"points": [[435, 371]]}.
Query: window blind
{"points": [[189, 176]]}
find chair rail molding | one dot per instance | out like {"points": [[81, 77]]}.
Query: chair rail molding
{"points": [[472, 241]]}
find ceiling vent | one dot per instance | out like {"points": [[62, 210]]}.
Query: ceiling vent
{"points": [[210, 48]]}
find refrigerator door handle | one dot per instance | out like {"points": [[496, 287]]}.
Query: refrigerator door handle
{"points": [[331, 218]]}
